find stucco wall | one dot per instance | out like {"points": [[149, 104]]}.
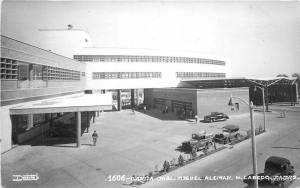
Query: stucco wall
{"points": [[204, 101], [178, 94], [216, 100], [168, 74], [6, 130], [19, 51]]}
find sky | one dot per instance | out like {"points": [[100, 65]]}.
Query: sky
{"points": [[260, 39]]}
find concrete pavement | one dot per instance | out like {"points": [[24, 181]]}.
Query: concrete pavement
{"points": [[282, 139], [128, 145]]}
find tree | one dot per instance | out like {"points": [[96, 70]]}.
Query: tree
{"points": [[296, 75], [70, 26], [166, 166], [298, 80], [282, 75], [180, 160]]}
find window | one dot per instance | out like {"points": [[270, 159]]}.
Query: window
{"points": [[36, 73], [199, 75], [23, 71], [128, 58], [125, 75]]}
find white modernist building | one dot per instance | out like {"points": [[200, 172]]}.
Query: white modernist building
{"points": [[135, 68], [115, 68]]}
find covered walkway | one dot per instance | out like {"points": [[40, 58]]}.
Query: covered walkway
{"points": [[74, 103]]}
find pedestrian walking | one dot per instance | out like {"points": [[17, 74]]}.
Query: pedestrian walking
{"points": [[145, 108], [95, 137], [166, 109], [191, 114]]}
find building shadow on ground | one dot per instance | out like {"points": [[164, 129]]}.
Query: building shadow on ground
{"points": [[158, 114], [46, 140]]}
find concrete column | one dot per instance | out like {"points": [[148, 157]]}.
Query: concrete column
{"points": [[78, 117], [119, 99], [267, 98], [30, 121], [296, 93], [137, 96], [31, 74], [132, 98], [94, 115]]}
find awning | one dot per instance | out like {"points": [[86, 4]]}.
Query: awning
{"points": [[239, 82], [71, 103]]}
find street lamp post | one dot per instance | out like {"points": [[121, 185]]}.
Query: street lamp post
{"points": [[264, 105], [254, 160]]}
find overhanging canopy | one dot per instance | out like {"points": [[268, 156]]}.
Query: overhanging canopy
{"points": [[71, 103], [239, 82], [266, 82]]}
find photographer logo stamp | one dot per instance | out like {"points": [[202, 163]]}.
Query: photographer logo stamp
{"points": [[25, 177]]}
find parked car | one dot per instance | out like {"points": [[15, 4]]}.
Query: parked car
{"points": [[203, 136], [216, 116], [199, 141], [278, 172], [230, 133]]}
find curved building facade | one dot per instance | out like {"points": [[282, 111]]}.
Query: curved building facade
{"points": [[123, 68]]}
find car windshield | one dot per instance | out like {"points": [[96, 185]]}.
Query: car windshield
{"points": [[227, 130]]}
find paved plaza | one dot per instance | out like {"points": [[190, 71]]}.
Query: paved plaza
{"points": [[129, 144]]}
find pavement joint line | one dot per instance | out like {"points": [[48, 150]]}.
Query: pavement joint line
{"points": [[93, 167], [74, 178], [135, 162]]}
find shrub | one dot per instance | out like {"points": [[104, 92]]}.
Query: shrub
{"points": [[180, 160]]}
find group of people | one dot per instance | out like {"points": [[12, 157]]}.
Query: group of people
{"points": [[181, 113], [185, 114], [144, 110]]}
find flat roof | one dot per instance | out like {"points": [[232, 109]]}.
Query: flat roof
{"points": [[241, 78], [71, 103], [98, 51], [50, 52]]}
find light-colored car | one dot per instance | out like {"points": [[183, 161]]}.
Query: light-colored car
{"points": [[230, 133]]}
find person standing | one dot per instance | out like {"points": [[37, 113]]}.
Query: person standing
{"points": [[196, 118], [95, 137], [145, 108]]}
